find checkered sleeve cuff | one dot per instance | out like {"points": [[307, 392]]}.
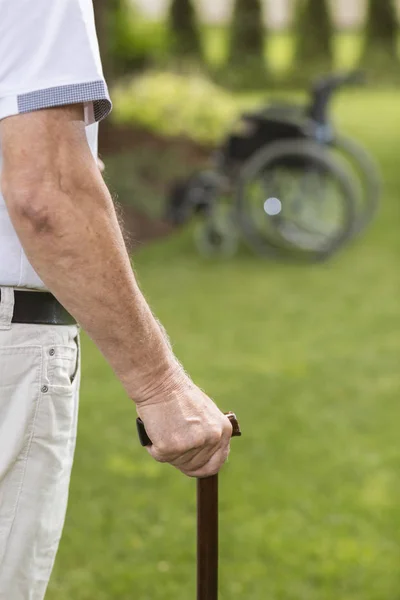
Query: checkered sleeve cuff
{"points": [[93, 91]]}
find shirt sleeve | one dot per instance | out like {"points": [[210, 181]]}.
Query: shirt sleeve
{"points": [[49, 56]]}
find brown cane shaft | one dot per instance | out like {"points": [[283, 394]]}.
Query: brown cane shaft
{"points": [[207, 522], [207, 538]]}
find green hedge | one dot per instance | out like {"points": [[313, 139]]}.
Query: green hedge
{"points": [[176, 105]]}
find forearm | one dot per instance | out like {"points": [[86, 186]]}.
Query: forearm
{"points": [[74, 242], [64, 217]]}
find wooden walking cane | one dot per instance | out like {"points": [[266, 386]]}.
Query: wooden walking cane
{"points": [[207, 523]]}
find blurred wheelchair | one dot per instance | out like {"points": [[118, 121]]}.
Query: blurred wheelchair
{"points": [[285, 181]]}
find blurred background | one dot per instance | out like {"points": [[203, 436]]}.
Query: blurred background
{"points": [[306, 352]]}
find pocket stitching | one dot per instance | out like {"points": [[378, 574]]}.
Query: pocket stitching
{"points": [[7, 350], [49, 364]]}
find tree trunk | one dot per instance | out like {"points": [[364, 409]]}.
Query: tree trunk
{"points": [[380, 48], [247, 34], [314, 37], [185, 36]]}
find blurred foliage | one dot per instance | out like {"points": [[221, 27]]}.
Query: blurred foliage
{"points": [[185, 41], [141, 179], [380, 53], [191, 105], [175, 104], [135, 42], [313, 37], [239, 56], [132, 178]]}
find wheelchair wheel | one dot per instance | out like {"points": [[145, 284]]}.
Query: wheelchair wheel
{"points": [[294, 201], [217, 237], [192, 196], [367, 172]]}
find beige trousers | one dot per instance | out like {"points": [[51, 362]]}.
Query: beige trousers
{"points": [[39, 389]]}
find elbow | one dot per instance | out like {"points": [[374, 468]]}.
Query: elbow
{"points": [[42, 200], [30, 208], [37, 214], [46, 201]]}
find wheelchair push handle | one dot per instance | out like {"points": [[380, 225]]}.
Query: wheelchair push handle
{"points": [[338, 80], [325, 87]]}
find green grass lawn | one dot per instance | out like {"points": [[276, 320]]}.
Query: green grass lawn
{"points": [[309, 359]]}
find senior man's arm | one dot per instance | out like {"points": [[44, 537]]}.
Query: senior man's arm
{"points": [[65, 219]]}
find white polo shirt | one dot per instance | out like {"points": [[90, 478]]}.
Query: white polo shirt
{"points": [[49, 56]]}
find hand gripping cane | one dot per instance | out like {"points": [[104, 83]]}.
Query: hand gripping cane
{"points": [[207, 523]]}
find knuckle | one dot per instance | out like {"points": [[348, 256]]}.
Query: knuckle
{"points": [[164, 452], [201, 440], [179, 448], [176, 451], [228, 429], [214, 435], [161, 449]]}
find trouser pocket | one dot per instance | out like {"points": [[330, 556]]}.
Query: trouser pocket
{"points": [[20, 378], [61, 365]]}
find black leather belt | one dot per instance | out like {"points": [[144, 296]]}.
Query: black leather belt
{"points": [[39, 308]]}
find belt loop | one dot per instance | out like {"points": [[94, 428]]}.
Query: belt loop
{"points": [[6, 307]]}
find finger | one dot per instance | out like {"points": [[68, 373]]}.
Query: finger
{"points": [[227, 431], [154, 453], [191, 460], [212, 467], [166, 455], [195, 459]]}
